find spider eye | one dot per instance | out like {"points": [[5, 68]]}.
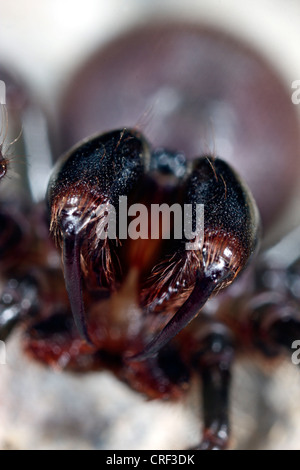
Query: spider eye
{"points": [[88, 178]]}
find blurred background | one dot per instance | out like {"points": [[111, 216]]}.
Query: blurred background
{"points": [[45, 42]]}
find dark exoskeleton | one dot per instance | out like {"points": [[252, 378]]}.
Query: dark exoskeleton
{"points": [[148, 309]]}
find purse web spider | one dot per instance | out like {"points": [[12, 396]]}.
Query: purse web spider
{"points": [[149, 311]]}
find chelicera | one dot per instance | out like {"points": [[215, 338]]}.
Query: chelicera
{"points": [[142, 307]]}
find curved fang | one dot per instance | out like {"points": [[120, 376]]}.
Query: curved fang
{"points": [[203, 288], [72, 274]]}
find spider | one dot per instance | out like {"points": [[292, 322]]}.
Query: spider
{"points": [[149, 311]]}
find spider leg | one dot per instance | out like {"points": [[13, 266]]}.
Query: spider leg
{"points": [[213, 363], [18, 302], [274, 312], [16, 292], [276, 321], [30, 286]]}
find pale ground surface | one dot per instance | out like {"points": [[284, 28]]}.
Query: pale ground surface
{"points": [[41, 409]]}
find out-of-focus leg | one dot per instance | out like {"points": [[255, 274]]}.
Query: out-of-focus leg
{"points": [[213, 363]]}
